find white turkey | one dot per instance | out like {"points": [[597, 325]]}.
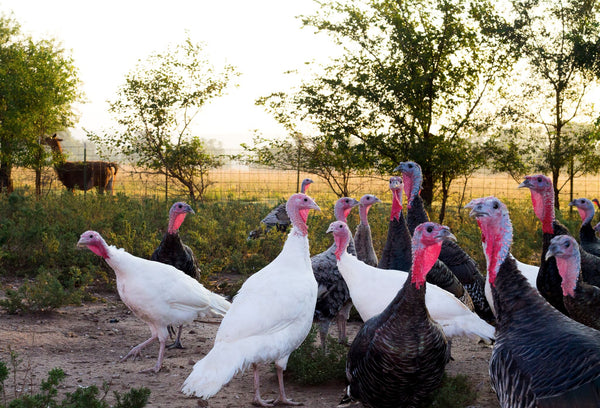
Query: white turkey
{"points": [[278, 216], [398, 357], [333, 298], [372, 289], [541, 357], [269, 317], [157, 293]]}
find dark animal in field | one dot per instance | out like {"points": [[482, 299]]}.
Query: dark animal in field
{"points": [[81, 175]]}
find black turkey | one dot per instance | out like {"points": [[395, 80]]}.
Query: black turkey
{"points": [[581, 300], [452, 255], [541, 357], [397, 252], [587, 235], [398, 357], [363, 241], [278, 216], [333, 298], [172, 251], [548, 280]]}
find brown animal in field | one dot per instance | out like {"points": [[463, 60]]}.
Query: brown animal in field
{"points": [[80, 175]]}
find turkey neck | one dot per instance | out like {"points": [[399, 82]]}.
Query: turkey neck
{"points": [[569, 269], [543, 206], [514, 299], [397, 252], [175, 222], [587, 233], [416, 214], [548, 280]]}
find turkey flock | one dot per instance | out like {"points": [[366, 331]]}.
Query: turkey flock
{"points": [[414, 297]]}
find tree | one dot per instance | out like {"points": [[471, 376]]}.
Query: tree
{"points": [[419, 71], [155, 109], [38, 86], [550, 35], [321, 137]]}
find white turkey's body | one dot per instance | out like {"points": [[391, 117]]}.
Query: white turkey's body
{"points": [[372, 289], [269, 318], [161, 294]]}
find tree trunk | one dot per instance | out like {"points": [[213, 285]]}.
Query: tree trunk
{"points": [[427, 188], [555, 175], [38, 182], [6, 182]]}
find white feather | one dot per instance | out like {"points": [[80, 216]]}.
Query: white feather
{"points": [[372, 289], [161, 294], [269, 318]]}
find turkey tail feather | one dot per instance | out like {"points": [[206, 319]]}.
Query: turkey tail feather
{"points": [[216, 369]]}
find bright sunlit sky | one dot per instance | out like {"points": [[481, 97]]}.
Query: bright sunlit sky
{"points": [[262, 38]]}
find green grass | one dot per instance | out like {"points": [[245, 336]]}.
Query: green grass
{"points": [[38, 237]]}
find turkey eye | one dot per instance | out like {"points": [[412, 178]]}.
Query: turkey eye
{"points": [[539, 179], [496, 206], [305, 199], [410, 166], [429, 229], [567, 244]]}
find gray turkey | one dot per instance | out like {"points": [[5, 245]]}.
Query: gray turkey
{"points": [[548, 280], [278, 216], [363, 241], [581, 300], [452, 255], [172, 251], [397, 252], [541, 357], [587, 235], [398, 357], [333, 299]]}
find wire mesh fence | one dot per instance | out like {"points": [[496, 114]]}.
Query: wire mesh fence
{"points": [[236, 181]]}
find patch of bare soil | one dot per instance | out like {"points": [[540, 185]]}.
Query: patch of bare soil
{"points": [[88, 341]]}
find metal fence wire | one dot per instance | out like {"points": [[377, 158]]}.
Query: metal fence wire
{"points": [[237, 181]]}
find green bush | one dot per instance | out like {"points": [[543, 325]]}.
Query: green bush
{"points": [[83, 397], [38, 237], [309, 364]]}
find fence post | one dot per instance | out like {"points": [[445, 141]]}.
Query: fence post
{"points": [[84, 168]]}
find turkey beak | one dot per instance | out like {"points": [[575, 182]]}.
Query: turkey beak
{"points": [[572, 203], [400, 167], [395, 184], [314, 206], [553, 250], [525, 183], [377, 200], [597, 227], [446, 234], [331, 227]]}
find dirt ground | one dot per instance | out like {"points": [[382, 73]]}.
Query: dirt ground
{"points": [[88, 341]]}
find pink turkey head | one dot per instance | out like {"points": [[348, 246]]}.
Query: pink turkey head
{"points": [[542, 197], [496, 231], [365, 204], [568, 260], [413, 178], [297, 207], [426, 247], [585, 208], [177, 214], [94, 242], [341, 236], [343, 206]]}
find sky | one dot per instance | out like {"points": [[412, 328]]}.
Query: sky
{"points": [[262, 38]]}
